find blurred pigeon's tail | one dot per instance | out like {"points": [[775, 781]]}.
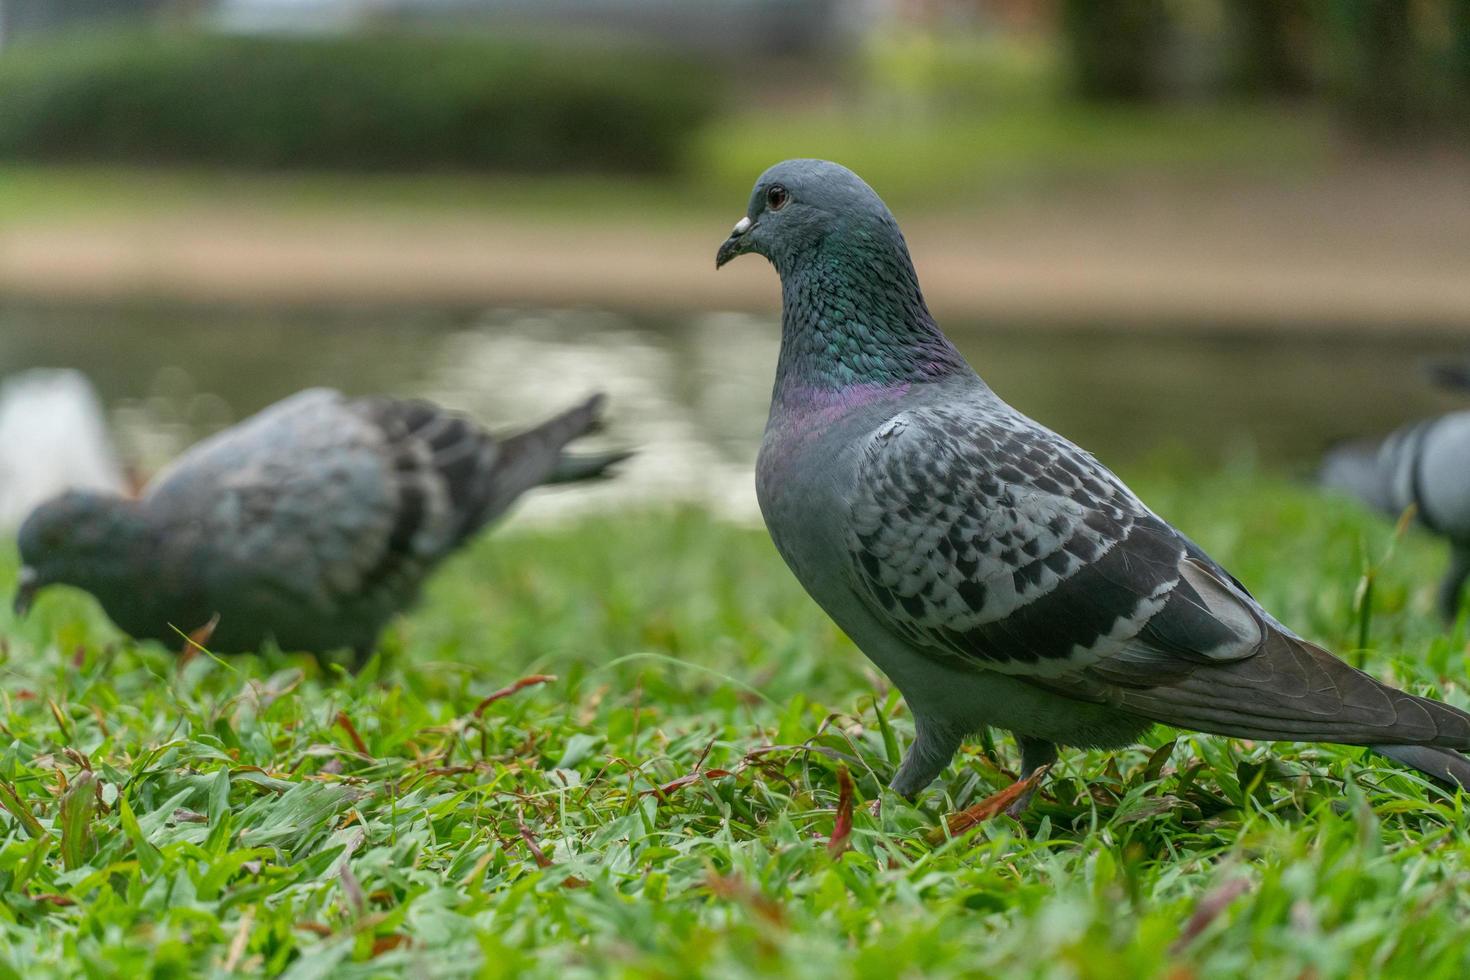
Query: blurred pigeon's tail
{"points": [[443, 455], [1454, 375], [586, 466], [1357, 468], [534, 457]]}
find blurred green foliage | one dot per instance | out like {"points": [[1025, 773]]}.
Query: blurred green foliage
{"points": [[1388, 66], [912, 69], [1395, 65], [1116, 49], [367, 102]]}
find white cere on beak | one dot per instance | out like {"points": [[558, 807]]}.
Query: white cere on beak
{"points": [[741, 227]]}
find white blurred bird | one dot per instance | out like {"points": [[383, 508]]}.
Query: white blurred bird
{"points": [[53, 437]]}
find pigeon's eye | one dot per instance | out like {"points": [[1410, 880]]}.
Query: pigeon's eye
{"points": [[776, 197]]}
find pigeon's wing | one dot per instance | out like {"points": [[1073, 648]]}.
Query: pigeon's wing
{"points": [[973, 536], [481, 475], [326, 501], [304, 505], [982, 536]]}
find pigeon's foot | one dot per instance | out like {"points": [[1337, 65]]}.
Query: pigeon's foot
{"points": [[933, 747], [1453, 585], [360, 658], [1036, 757]]}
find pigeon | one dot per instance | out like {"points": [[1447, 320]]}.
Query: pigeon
{"points": [[310, 524], [1425, 465], [999, 575], [1449, 375]]}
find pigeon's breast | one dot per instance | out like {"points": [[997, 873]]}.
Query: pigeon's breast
{"points": [[806, 469], [1438, 477]]}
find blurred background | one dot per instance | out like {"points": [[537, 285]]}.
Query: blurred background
{"points": [[1189, 231]]}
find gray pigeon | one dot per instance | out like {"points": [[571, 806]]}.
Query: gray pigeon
{"points": [[998, 574], [1449, 375], [310, 524], [1427, 466]]}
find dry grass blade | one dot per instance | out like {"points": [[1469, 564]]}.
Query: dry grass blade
{"points": [[237, 944], [958, 823], [345, 723], [197, 641], [689, 779], [384, 944], [542, 861], [315, 928], [51, 898], [507, 691], [842, 824], [353, 889], [1208, 910], [61, 719], [735, 888], [539, 856]]}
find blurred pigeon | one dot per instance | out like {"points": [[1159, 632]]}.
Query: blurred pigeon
{"points": [[1426, 466], [311, 524], [997, 573], [1450, 375], [53, 437]]}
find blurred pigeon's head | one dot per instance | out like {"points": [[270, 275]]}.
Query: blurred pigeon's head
{"points": [[68, 539], [797, 206]]}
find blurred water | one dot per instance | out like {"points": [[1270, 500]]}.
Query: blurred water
{"points": [[691, 393]]}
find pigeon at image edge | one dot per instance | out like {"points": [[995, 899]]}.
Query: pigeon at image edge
{"points": [[1423, 466], [998, 574]]}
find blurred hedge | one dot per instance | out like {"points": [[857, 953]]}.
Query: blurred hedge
{"points": [[395, 102]]}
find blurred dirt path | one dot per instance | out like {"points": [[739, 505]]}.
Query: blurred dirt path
{"points": [[1382, 247]]}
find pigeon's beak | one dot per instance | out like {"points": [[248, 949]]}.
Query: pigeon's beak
{"points": [[25, 590], [735, 244]]}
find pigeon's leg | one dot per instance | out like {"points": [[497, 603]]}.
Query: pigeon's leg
{"points": [[1035, 754], [1454, 583], [933, 747], [360, 657]]}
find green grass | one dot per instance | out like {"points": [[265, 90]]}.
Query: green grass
{"points": [[223, 817]]}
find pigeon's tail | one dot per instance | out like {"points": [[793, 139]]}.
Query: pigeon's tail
{"points": [[445, 456], [536, 456], [1291, 689], [1359, 468], [1445, 765], [573, 468]]}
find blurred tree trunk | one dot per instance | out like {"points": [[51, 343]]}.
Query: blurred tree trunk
{"points": [[1381, 66], [1460, 55], [1272, 41], [1116, 47]]}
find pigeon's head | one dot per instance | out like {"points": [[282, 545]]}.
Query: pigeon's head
{"points": [[64, 539], [798, 205]]}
